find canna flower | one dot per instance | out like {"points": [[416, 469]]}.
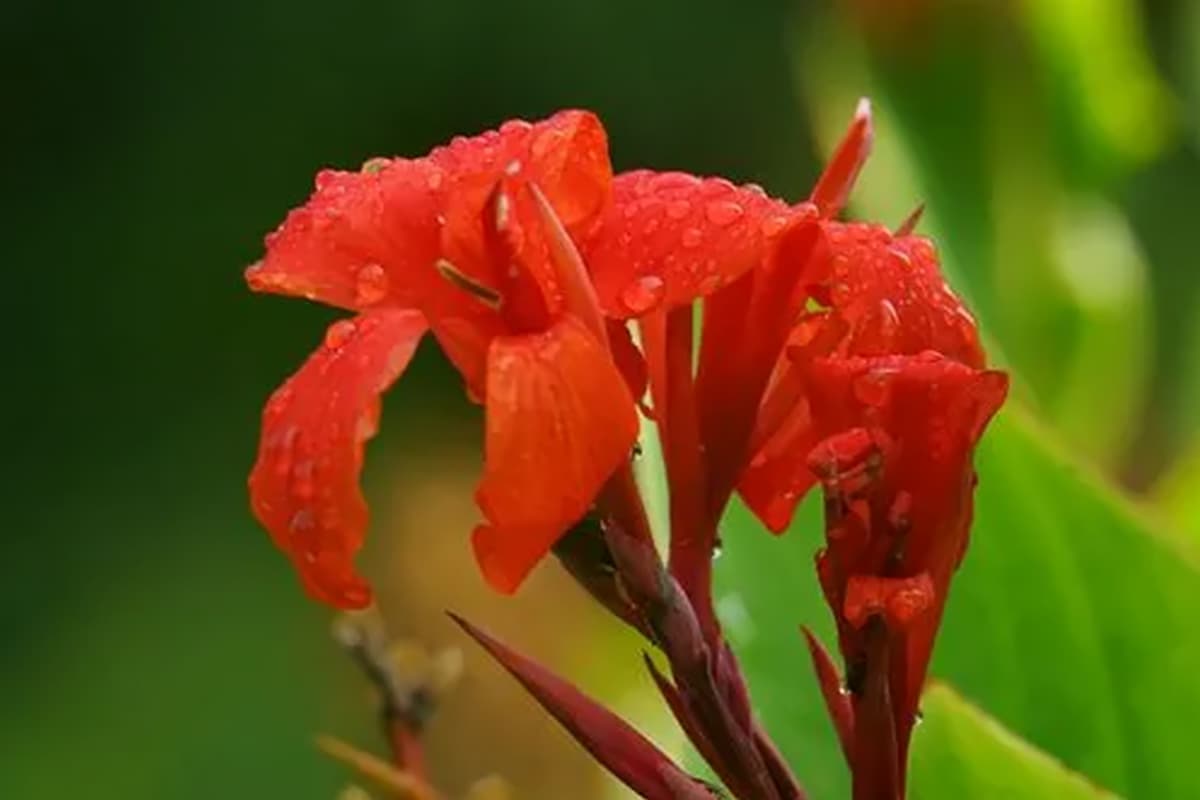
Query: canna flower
{"points": [[479, 244], [895, 439]]}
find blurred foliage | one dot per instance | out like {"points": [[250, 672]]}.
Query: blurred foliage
{"points": [[961, 752], [159, 647]]}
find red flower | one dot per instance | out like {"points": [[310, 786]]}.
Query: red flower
{"points": [[895, 439], [477, 243]]}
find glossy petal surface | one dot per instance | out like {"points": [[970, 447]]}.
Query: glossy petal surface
{"points": [[668, 238], [875, 294], [363, 238], [304, 486], [559, 421]]}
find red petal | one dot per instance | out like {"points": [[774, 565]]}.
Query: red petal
{"points": [[304, 485], [834, 185], [898, 600], [559, 422], [668, 238], [363, 238], [837, 701], [565, 155], [614, 743], [891, 293]]}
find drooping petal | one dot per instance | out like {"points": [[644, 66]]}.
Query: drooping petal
{"points": [[668, 238], [363, 239], [304, 485], [627, 754], [835, 183], [559, 421]]}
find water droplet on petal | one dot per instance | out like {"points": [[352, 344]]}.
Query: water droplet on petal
{"points": [[872, 388], [644, 294], [302, 522], [370, 285], [325, 178], [374, 166], [434, 181], [678, 209], [692, 237], [515, 126], [723, 212], [774, 224], [339, 333]]}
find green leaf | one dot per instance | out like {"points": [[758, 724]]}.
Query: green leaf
{"points": [[961, 752], [1072, 621]]}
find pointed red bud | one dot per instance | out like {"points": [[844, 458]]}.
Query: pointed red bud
{"points": [[614, 743], [837, 701], [835, 183]]}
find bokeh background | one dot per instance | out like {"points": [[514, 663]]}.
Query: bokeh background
{"points": [[155, 646]]}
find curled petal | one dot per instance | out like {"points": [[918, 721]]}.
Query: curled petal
{"points": [[668, 238], [304, 485], [559, 421], [363, 239]]}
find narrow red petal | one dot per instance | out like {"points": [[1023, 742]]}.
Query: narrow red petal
{"points": [[837, 701], [614, 743], [834, 185], [304, 485], [559, 422], [668, 238]]}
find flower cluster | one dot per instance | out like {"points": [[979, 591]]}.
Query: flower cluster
{"points": [[830, 353]]}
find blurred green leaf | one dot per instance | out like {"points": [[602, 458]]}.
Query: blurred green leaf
{"points": [[1055, 276], [1072, 622], [1110, 109], [961, 752], [1178, 494]]}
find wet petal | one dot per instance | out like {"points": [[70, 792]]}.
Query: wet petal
{"points": [[890, 292], [559, 421], [304, 485], [668, 238], [363, 239]]}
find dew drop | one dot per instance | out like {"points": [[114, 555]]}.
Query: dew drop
{"points": [[644, 294], [325, 179], [374, 166], [889, 320], [872, 388], [678, 209], [434, 181], [774, 224], [515, 126], [302, 522], [370, 285], [339, 333], [692, 237], [723, 212]]}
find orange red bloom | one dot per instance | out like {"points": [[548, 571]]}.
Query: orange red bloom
{"points": [[478, 243]]}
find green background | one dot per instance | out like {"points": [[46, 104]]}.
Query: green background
{"points": [[154, 644]]}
